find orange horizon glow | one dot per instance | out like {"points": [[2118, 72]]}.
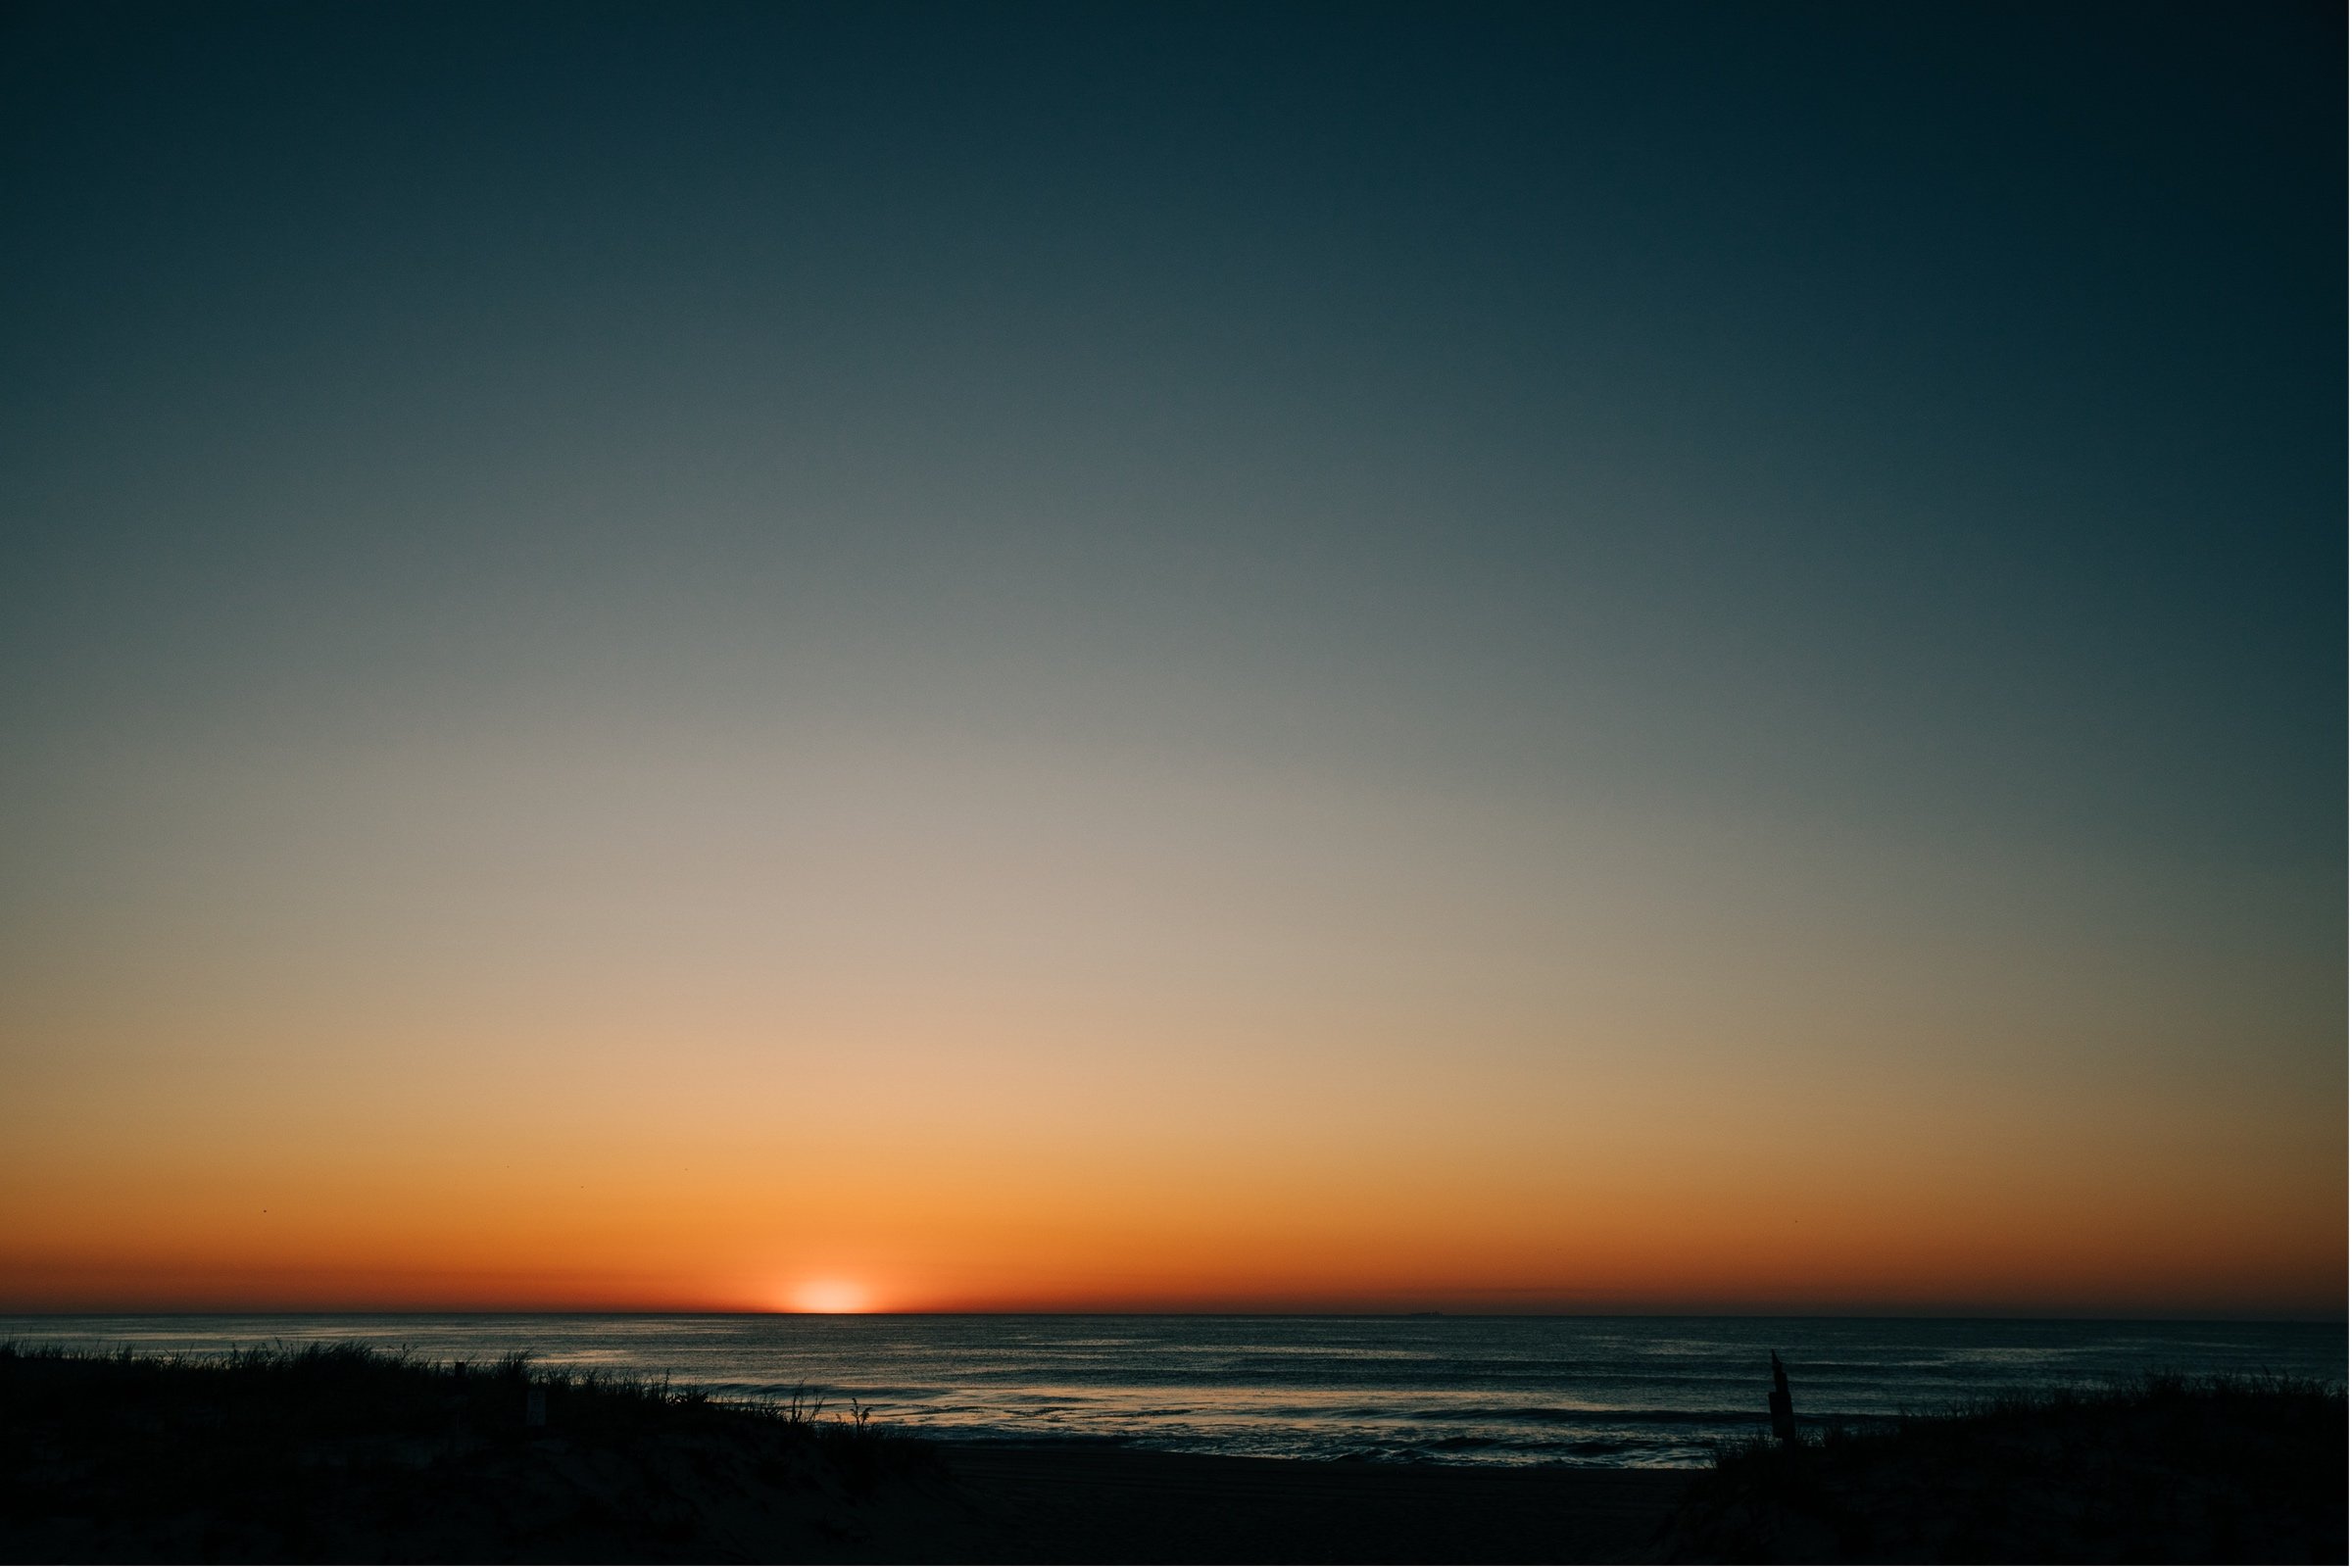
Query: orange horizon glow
{"points": [[661, 1227], [942, 1168], [1066, 1181]]}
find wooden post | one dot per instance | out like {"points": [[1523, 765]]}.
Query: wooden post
{"points": [[534, 1406], [1783, 1414]]}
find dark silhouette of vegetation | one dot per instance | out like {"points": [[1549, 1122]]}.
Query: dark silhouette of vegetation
{"points": [[1783, 1409], [2165, 1469], [341, 1452]]}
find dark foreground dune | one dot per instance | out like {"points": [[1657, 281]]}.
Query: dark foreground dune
{"points": [[345, 1456], [2168, 1470]]}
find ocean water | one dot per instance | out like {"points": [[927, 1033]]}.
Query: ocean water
{"points": [[1585, 1391]]}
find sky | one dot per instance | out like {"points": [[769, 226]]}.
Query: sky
{"points": [[1355, 658]]}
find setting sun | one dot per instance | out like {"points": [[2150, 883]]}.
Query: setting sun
{"points": [[828, 1296]]}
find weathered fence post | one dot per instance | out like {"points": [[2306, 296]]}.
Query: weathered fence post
{"points": [[1783, 1414], [534, 1406]]}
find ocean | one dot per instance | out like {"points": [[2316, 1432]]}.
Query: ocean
{"points": [[1580, 1390]]}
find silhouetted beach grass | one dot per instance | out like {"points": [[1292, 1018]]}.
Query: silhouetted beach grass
{"points": [[2163, 1469], [340, 1451]]}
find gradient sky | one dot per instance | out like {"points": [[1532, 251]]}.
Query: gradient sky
{"points": [[1477, 657]]}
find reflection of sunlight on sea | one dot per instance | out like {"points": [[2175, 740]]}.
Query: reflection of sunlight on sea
{"points": [[1551, 1391]]}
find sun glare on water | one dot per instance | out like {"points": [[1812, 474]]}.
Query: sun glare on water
{"points": [[828, 1296]]}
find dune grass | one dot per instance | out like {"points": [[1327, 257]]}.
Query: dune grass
{"points": [[339, 1450]]}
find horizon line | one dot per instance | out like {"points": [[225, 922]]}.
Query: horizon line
{"points": [[1922, 1315]]}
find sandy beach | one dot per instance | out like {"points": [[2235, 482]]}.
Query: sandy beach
{"points": [[563, 1501], [1112, 1504]]}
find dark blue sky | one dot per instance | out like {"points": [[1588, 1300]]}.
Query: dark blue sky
{"points": [[1967, 388]]}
